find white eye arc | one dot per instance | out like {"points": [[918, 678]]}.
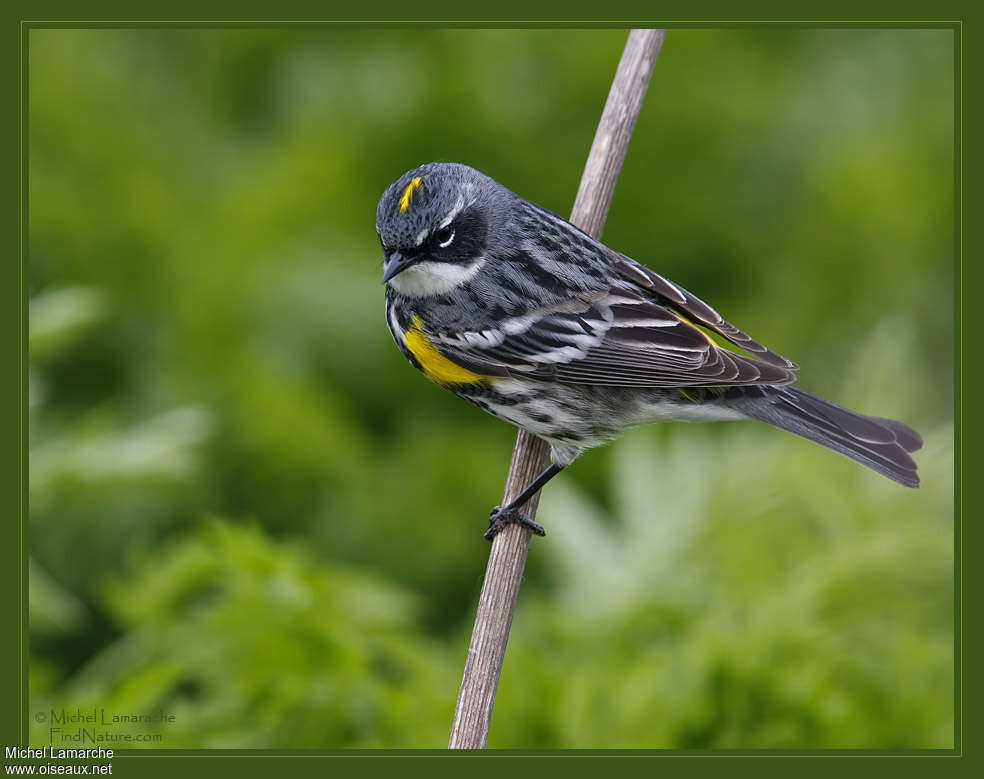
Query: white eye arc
{"points": [[450, 233]]}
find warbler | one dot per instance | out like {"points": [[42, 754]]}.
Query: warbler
{"points": [[519, 312]]}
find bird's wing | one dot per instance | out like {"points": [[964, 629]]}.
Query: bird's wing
{"points": [[694, 308], [625, 337]]}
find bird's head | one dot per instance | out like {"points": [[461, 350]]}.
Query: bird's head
{"points": [[433, 226]]}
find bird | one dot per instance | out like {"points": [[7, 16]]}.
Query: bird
{"points": [[517, 311]]}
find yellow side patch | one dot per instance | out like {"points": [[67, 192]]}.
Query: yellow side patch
{"points": [[407, 195], [687, 395], [435, 365]]}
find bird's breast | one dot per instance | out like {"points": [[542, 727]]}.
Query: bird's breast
{"points": [[434, 365], [408, 332]]}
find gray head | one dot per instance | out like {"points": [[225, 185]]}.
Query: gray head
{"points": [[433, 224]]}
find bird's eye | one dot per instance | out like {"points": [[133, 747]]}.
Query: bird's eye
{"points": [[444, 237]]}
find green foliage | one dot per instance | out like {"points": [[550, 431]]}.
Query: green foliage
{"points": [[207, 342], [252, 646]]}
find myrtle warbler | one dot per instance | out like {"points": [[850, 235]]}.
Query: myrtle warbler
{"points": [[519, 312]]}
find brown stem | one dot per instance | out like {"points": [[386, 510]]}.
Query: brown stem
{"points": [[504, 572]]}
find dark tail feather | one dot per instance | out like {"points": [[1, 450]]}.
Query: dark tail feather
{"points": [[880, 444], [908, 438]]}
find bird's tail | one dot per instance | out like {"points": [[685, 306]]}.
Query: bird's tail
{"points": [[881, 444]]}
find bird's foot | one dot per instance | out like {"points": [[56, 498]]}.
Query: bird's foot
{"points": [[500, 517]]}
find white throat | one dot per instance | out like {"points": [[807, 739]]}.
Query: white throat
{"points": [[433, 278]]}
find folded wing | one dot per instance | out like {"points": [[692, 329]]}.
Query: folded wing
{"points": [[642, 333]]}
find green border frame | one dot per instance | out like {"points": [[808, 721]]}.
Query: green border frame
{"points": [[13, 402]]}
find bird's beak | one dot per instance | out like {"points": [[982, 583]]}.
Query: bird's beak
{"points": [[394, 264]]}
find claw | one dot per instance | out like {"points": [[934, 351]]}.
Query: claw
{"points": [[500, 517]]}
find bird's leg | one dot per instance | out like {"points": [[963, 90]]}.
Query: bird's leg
{"points": [[511, 515]]}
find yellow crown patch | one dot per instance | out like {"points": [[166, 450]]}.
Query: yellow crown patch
{"points": [[407, 195]]}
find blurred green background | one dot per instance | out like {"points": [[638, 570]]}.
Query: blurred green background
{"points": [[249, 512]]}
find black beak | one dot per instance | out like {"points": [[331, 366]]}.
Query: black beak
{"points": [[396, 263]]}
